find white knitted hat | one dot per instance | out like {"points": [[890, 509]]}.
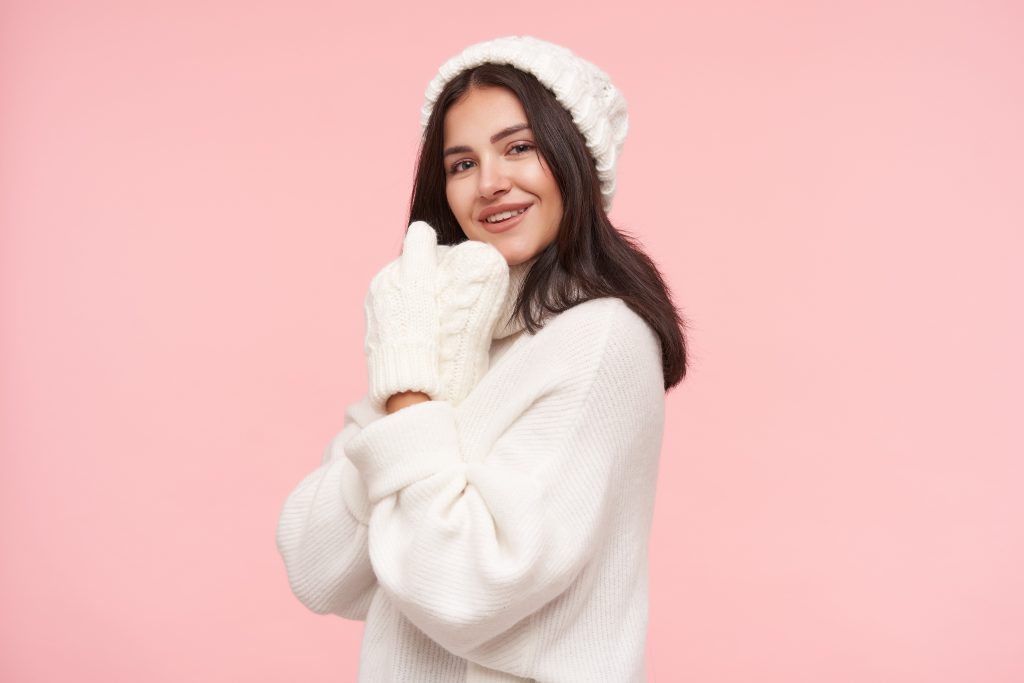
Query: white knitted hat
{"points": [[596, 105]]}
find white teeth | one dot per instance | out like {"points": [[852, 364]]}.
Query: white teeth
{"points": [[503, 216]]}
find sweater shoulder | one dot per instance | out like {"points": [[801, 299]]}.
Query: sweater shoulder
{"points": [[600, 337], [605, 322]]}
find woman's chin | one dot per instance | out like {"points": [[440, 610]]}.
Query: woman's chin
{"points": [[515, 260], [513, 250], [516, 256]]}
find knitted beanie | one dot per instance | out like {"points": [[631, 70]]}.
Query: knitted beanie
{"points": [[597, 107]]}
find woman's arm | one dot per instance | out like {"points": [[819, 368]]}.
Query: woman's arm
{"points": [[405, 399], [322, 530], [466, 547]]}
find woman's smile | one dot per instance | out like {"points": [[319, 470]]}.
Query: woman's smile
{"points": [[507, 224]]}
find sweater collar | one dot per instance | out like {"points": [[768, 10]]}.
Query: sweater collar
{"points": [[516, 275]]}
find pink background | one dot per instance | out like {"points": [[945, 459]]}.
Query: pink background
{"points": [[194, 197]]}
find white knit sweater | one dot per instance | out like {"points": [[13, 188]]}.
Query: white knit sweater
{"points": [[505, 538]]}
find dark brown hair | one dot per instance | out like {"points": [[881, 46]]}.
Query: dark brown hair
{"points": [[590, 258]]}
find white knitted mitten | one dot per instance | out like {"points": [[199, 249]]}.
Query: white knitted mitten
{"points": [[472, 281], [402, 321]]}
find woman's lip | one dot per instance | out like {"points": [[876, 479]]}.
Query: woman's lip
{"points": [[495, 228]]}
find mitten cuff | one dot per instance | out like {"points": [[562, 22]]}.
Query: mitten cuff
{"points": [[397, 368]]}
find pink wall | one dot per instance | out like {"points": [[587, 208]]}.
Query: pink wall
{"points": [[194, 197]]}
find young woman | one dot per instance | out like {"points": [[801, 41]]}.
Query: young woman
{"points": [[486, 507]]}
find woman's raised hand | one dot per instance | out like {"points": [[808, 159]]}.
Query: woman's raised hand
{"points": [[430, 315], [472, 282], [401, 342]]}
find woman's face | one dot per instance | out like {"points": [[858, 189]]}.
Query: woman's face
{"points": [[491, 162]]}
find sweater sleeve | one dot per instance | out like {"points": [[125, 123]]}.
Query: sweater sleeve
{"points": [[466, 548], [322, 529]]}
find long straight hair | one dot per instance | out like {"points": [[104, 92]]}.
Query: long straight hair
{"points": [[590, 258]]}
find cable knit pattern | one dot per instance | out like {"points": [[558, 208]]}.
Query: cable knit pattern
{"points": [[597, 107], [471, 284], [431, 315], [503, 538]]}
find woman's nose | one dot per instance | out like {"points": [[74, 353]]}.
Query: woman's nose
{"points": [[493, 180]]}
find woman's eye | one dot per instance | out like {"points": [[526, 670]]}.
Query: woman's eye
{"points": [[524, 146]]}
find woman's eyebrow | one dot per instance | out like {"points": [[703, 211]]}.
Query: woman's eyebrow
{"points": [[504, 132]]}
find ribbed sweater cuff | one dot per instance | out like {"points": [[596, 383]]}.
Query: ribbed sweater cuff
{"points": [[404, 447], [398, 368]]}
